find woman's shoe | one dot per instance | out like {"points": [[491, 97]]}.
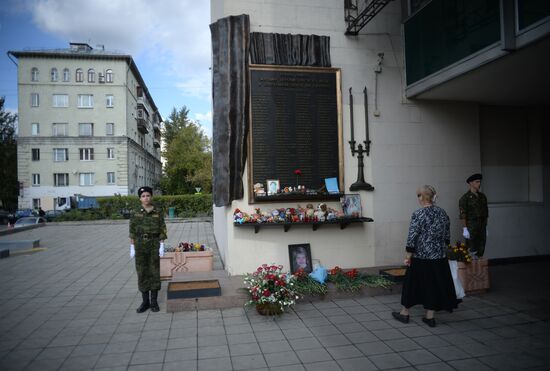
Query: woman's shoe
{"points": [[429, 321], [400, 317]]}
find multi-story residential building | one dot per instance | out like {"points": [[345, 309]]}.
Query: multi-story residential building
{"points": [[87, 125]]}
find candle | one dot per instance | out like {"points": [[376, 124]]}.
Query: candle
{"points": [[351, 115], [367, 141]]}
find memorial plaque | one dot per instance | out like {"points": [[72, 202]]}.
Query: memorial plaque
{"points": [[295, 124]]}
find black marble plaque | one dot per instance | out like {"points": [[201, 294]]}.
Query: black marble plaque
{"points": [[294, 125]]}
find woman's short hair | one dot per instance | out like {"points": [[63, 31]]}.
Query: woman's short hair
{"points": [[427, 193]]}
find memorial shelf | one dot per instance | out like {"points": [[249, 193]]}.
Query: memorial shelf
{"points": [[342, 222], [299, 197]]}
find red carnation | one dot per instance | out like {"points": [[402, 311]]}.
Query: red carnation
{"points": [[267, 293], [298, 172]]}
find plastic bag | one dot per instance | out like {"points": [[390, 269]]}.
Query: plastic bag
{"points": [[319, 274], [453, 265]]}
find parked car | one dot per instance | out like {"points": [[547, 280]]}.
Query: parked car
{"points": [[21, 213], [29, 220], [52, 214]]}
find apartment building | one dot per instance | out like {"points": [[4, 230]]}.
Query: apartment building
{"points": [[87, 125]]}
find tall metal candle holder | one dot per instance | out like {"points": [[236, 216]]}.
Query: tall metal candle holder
{"points": [[360, 184]]}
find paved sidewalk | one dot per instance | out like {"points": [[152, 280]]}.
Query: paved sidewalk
{"points": [[72, 307]]}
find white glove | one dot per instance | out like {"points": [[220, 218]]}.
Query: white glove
{"points": [[132, 251], [161, 249], [465, 233]]}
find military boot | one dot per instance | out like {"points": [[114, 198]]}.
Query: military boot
{"points": [[154, 303], [145, 303]]}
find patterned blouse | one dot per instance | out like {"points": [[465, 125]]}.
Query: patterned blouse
{"points": [[429, 233]]}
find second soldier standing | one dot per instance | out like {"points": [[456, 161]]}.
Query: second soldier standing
{"points": [[147, 235]]}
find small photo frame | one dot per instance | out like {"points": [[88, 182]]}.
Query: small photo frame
{"points": [[331, 185], [273, 186], [351, 205], [300, 257]]}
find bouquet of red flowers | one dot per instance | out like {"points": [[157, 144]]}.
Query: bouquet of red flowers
{"points": [[269, 285]]}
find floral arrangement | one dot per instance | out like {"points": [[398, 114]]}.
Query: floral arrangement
{"points": [[289, 215], [269, 285], [459, 252], [353, 281], [304, 284], [186, 247]]}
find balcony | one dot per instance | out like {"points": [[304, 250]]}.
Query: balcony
{"points": [[142, 125], [156, 127], [156, 142]]}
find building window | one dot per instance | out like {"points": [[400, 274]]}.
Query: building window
{"points": [[109, 128], [66, 75], [35, 154], [60, 154], [60, 100], [61, 179], [35, 101], [35, 128], [36, 179], [86, 179], [91, 75], [85, 101], [109, 75], [34, 74], [110, 101], [54, 74], [85, 129], [110, 153], [86, 154], [79, 75], [35, 203], [110, 178], [59, 130]]}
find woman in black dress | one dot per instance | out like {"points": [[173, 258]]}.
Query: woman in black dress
{"points": [[428, 280]]}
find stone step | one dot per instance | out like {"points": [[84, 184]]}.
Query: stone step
{"points": [[16, 245]]}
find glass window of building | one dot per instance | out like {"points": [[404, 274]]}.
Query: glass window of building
{"points": [[86, 179], [59, 129], [110, 128], [110, 100], [35, 100], [34, 74], [53, 74], [66, 75], [110, 178], [85, 101], [61, 179], [60, 154], [110, 153], [60, 100], [86, 154], [91, 75], [35, 203], [36, 179], [35, 128], [109, 76], [85, 129], [35, 154], [79, 77]]}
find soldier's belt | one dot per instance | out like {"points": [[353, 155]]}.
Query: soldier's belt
{"points": [[148, 236]]}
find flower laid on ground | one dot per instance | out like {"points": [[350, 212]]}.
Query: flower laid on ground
{"points": [[304, 284], [459, 252], [353, 281], [269, 285]]}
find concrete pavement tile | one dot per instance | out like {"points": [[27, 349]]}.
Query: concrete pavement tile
{"points": [[501, 362], [155, 334], [376, 325], [216, 351], [190, 324], [305, 343], [123, 328], [373, 348], [332, 312], [309, 313], [179, 366], [95, 339], [449, 353], [216, 364], [275, 346], [55, 353], [401, 345], [264, 326], [124, 337], [324, 330], [271, 335], [349, 327], [288, 368], [356, 364], [457, 339], [324, 304], [60, 341], [88, 350], [184, 354], [142, 358], [248, 362], [241, 338], [145, 345], [101, 330], [235, 320], [361, 337], [438, 366], [297, 333], [210, 322], [79, 363], [148, 367], [333, 340], [44, 364], [125, 347], [209, 313], [13, 364], [233, 312], [34, 342], [291, 324], [323, 366], [313, 355], [316, 321], [182, 332], [388, 334], [477, 349], [214, 330], [113, 360], [244, 349], [157, 325], [281, 359], [211, 340], [419, 356], [238, 329], [190, 342], [355, 309], [430, 342], [468, 365], [346, 351], [341, 319], [386, 361]]}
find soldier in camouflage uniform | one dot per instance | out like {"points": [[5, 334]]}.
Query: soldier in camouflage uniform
{"points": [[474, 213], [147, 235]]}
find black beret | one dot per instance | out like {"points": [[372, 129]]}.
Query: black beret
{"points": [[473, 177], [145, 189]]}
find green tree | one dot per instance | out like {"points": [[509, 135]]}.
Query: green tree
{"points": [[8, 159], [188, 155]]}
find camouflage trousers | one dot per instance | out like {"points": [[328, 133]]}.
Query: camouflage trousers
{"points": [[148, 264], [478, 237]]}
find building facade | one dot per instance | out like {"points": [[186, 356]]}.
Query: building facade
{"points": [[448, 97], [87, 126]]}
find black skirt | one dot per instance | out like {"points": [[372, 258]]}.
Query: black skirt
{"points": [[429, 282]]}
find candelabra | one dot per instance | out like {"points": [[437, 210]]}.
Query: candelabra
{"points": [[360, 183]]}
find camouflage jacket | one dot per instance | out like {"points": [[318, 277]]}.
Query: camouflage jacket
{"points": [[150, 223], [473, 208]]}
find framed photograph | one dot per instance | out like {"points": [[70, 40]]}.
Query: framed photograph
{"points": [[351, 205], [273, 186], [300, 257]]}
